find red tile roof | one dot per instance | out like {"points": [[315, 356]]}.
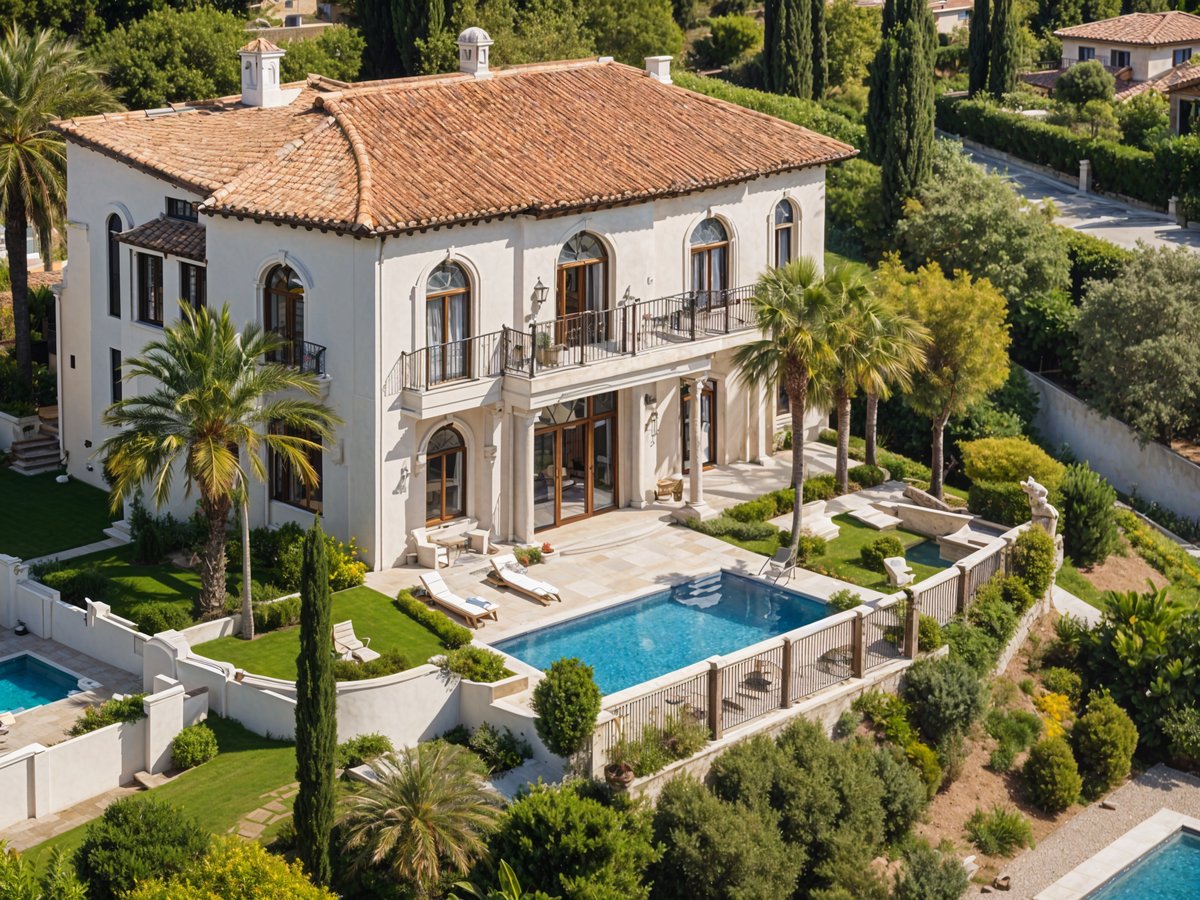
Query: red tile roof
{"points": [[400, 155], [1172, 27], [172, 237]]}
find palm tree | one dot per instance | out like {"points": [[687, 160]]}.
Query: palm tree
{"points": [[423, 820], [801, 314], [214, 407], [42, 78], [885, 348]]}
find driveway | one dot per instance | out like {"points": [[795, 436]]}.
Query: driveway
{"points": [[1099, 216]]}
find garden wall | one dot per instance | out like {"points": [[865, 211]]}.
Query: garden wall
{"points": [[37, 780], [1112, 448], [13, 428]]}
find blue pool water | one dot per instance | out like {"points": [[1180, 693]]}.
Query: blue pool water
{"points": [[668, 630], [926, 553], [26, 682], [1171, 871]]}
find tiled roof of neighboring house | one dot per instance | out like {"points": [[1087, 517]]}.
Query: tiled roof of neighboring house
{"points": [[1183, 77], [171, 237], [949, 5], [401, 155], [1172, 27], [1125, 88]]}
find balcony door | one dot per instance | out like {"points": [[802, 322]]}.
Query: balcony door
{"points": [[447, 324], [582, 291], [283, 313], [574, 460], [710, 262], [708, 425]]}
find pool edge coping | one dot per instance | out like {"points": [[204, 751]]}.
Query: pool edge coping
{"points": [[1115, 857]]}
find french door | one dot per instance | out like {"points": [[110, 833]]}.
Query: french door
{"points": [[708, 425], [575, 463]]}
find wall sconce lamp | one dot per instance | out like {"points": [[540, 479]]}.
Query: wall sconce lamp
{"points": [[540, 292], [628, 298], [648, 400]]}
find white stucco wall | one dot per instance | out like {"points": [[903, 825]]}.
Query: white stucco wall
{"points": [[1145, 62]]}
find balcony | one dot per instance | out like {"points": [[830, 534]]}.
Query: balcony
{"points": [[303, 355]]}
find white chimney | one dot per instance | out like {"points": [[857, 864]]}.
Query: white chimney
{"points": [[260, 75], [659, 68], [474, 50]]}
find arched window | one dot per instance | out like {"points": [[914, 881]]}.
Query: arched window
{"points": [[445, 476], [447, 324], [710, 262], [114, 265], [785, 232], [283, 313], [582, 288]]}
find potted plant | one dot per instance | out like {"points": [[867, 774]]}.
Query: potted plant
{"points": [[547, 351], [547, 550]]}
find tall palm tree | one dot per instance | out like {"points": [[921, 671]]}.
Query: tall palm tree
{"points": [[424, 819], [42, 78], [214, 406], [898, 356], [884, 348], [801, 314]]}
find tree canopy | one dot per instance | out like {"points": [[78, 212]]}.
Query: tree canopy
{"points": [[853, 35], [1083, 82]]}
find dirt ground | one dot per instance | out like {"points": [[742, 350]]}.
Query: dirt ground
{"points": [[1124, 571], [1187, 449], [980, 787]]}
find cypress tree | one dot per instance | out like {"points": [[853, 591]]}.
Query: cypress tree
{"points": [[381, 59], [414, 20], [788, 47], [900, 104], [1002, 67], [316, 712], [979, 48], [820, 50]]}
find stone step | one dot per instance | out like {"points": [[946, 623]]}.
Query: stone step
{"points": [[119, 531], [32, 446], [25, 467], [39, 454], [49, 429]]}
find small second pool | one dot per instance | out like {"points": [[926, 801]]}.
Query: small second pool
{"points": [[26, 682], [665, 631], [926, 553], [1171, 871]]}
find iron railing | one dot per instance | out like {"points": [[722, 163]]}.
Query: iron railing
{"points": [[303, 355], [475, 357]]}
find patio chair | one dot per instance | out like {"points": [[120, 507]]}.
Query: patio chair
{"points": [[781, 565], [473, 609], [512, 574], [899, 572], [347, 644], [429, 554]]}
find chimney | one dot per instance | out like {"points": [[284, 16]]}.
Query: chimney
{"points": [[260, 74], [474, 49], [659, 68]]}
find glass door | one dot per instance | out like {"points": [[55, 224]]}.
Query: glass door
{"points": [[545, 479], [573, 490], [708, 425], [604, 484], [574, 460]]}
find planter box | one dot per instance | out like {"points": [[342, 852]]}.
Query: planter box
{"points": [[13, 428]]}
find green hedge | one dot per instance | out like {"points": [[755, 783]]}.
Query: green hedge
{"points": [[451, 633], [1153, 177], [1092, 258], [1002, 502]]}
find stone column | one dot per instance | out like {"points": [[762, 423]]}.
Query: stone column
{"points": [[521, 484], [696, 508], [633, 437]]}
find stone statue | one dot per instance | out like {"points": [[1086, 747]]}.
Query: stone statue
{"points": [[1043, 513]]}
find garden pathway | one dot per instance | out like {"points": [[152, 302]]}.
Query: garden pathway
{"points": [[277, 806]]}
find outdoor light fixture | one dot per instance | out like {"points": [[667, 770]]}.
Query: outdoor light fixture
{"points": [[540, 292], [628, 298]]}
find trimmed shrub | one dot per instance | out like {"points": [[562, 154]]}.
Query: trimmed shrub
{"points": [[945, 697], [1063, 681], [991, 614], [77, 585], [902, 468], [129, 709], [726, 526], [136, 839], [1033, 559], [840, 601], [157, 616], [876, 550], [819, 487], [567, 702], [929, 634], [729, 38], [904, 792], [1089, 520], [1010, 459], [1093, 258], [999, 831], [1182, 730], [499, 752], [388, 663], [193, 746], [451, 634], [363, 749], [930, 875], [1051, 775], [865, 476], [1104, 739], [1015, 593], [925, 761], [973, 646], [233, 868], [1004, 503], [476, 664], [758, 510], [277, 614]]}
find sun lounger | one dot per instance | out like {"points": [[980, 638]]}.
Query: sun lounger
{"points": [[512, 574], [781, 565], [348, 646], [473, 609]]}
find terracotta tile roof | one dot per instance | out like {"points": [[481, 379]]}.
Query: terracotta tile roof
{"points": [[1172, 27], [1125, 88], [171, 237], [1183, 76], [413, 153], [260, 45]]}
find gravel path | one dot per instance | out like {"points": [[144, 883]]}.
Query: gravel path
{"points": [[1096, 828]]}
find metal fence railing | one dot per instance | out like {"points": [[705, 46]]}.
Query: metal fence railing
{"points": [[883, 633], [938, 596]]}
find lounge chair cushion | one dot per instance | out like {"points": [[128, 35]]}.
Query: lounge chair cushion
{"points": [[516, 567]]}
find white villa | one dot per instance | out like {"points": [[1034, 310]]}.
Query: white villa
{"points": [[521, 289]]}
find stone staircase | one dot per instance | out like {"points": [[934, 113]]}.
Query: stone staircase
{"points": [[36, 455]]}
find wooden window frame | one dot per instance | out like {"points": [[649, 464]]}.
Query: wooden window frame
{"points": [[113, 251], [149, 288], [198, 299], [282, 481], [446, 298], [460, 450], [293, 299]]}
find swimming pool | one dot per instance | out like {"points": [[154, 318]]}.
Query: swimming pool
{"points": [[1171, 871], [26, 682], [667, 630]]}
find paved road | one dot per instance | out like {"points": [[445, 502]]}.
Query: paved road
{"points": [[1109, 219]]}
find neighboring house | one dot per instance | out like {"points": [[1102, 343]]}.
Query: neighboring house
{"points": [[1143, 51], [517, 287], [948, 15]]}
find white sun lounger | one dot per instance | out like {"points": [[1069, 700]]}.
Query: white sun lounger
{"points": [[506, 568], [473, 609], [347, 644]]}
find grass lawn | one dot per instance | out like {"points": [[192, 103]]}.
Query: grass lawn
{"points": [[841, 557], [374, 615], [220, 792], [162, 582], [42, 516], [1072, 580]]}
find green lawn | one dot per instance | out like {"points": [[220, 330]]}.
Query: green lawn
{"points": [[1072, 580], [841, 557], [374, 615], [42, 516], [220, 792], [162, 582]]}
